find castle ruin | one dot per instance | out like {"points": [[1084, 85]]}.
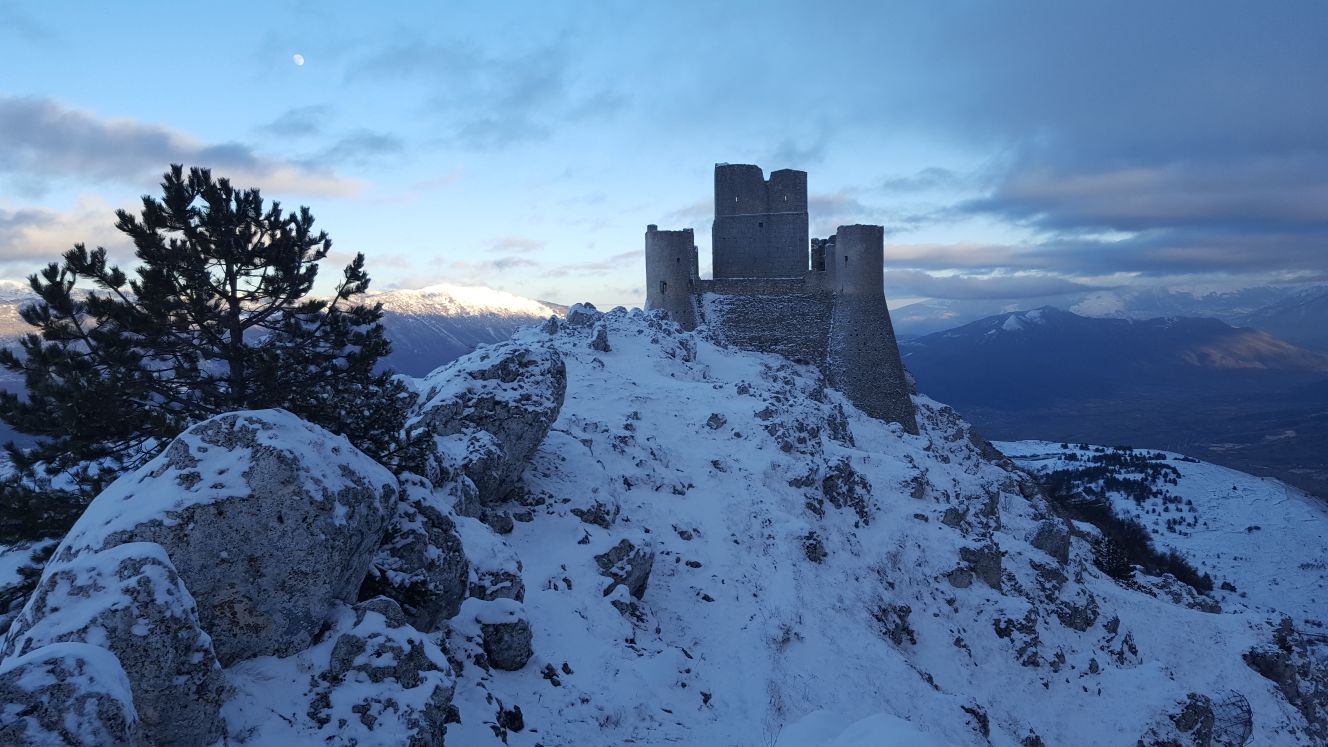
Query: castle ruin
{"points": [[765, 296]]}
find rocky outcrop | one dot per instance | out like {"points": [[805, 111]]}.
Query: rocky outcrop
{"points": [[627, 565], [505, 632], [70, 694], [583, 314], [599, 339], [1053, 538], [268, 520], [386, 674], [420, 564], [1298, 666], [488, 412], [130, 600]]}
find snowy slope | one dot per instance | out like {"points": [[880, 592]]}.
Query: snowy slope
{"points": [[743, 638], [1266, 538]]}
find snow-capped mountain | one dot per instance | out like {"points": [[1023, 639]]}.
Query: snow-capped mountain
{"points": [[433, 325], [1234, 396], [1298, 314]]}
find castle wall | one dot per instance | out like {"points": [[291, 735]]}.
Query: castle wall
{"points": [[761, 227], [785, 316], [670, 272]]}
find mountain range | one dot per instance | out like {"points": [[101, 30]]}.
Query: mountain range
{"points": [[1235, 396], [1297, 314]]}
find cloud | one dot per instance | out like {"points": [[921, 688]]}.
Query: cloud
{"points": [[516, 244], [603, 266], [487, 100], [32, 237], [359, 147], [45, 139], [300, 121], [906, 283]]}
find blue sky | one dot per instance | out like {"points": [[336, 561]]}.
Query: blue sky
{"points": [[1012, 150]]}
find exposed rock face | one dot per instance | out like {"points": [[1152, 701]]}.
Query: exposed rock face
{"points": [[628, 565], [388, 673], [1191, 725], [69, 694], [1053, 538], [129, 600], [985, 563], [506, 634], [268, 520], [488, 413], [1298, 665], [420, 564]]}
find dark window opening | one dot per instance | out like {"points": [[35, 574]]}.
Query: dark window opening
{"points": [[760, 224], [663, 286]]}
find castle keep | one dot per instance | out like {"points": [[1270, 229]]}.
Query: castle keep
{"points": [[766, 296]]}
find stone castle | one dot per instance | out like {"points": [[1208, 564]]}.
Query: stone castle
{"points": [[766, 297]]}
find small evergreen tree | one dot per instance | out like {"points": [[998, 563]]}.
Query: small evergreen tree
{"points": [[216, 319]]}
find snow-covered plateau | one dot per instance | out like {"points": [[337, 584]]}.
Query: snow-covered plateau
{"points": [[628, 534]]}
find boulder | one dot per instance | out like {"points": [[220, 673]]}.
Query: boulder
{"points": [[505, 632], [421, 564], [70, 694], [1053, 538], [583, 314], [488, 412], [628, 565], [386, 677], [268, 520], [129, 600]]}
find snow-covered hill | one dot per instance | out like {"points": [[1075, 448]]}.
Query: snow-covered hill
{"points": [[711, 548], [1265, 538]]}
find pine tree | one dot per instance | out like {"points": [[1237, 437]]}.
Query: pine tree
{"points": [[216, 318]]}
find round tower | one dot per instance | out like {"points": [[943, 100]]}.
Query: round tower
{"points": [[670, 268], [859, 257]]}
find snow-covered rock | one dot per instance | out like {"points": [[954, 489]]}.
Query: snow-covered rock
{"points": [[488, 412], [68, 694], [372, 679], [268, 520], [129, 600], [420, 564], [505, 631]]}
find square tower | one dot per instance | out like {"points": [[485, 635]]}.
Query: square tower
{"points": [[761, 227]]}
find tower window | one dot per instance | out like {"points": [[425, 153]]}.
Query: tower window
{"points": [[760, 224], [663, 286]]}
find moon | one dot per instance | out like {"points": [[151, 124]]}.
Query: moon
{"points": [[298, 59]]}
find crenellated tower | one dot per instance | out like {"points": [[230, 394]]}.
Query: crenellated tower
{"points": [[761, 227]]}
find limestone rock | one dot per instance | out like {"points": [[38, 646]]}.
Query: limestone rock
{"points": [[421, 564], [506, 634], [599, 338], [488, 412], [985, 563], [71, 694], [389, 675], [1053, 538], [268, 520], [129, 600], [583, 314], [628, 565]]}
